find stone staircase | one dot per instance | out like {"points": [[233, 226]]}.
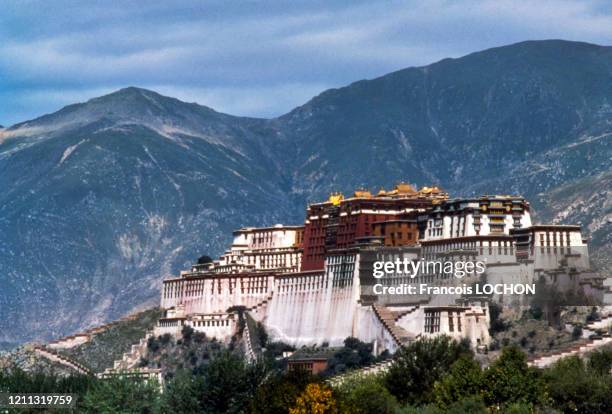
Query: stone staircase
{"points": [[388, 319], [260, 305], [131, 358], [580, 348], [55, 356], [252, 347], [604, 323], [399, 315]]}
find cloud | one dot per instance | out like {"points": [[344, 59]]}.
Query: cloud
{"points": [[254, 58]]}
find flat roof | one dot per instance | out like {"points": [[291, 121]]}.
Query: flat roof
{"points": [[275, 227], [546, 227]]}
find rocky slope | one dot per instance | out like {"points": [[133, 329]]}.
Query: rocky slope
{"points": [[588, 202], [102, 199]]}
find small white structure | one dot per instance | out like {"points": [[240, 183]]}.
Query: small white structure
{"points": [[260, 249]]}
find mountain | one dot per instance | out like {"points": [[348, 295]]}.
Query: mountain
{"points": [[102, 199], [537, 111], [105, 198]]}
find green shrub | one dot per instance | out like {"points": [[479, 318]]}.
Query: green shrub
{"points": [[600, 362], [279, 392], [574, 388], [463, 380], [365, 395], [497, 324], [509, 380], [419, 365], [122, 395]]}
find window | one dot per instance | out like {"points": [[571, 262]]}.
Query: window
{"points": [[432, 322]]}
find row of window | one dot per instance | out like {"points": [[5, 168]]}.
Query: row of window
{"points": [[213, 322], [432, 322]]}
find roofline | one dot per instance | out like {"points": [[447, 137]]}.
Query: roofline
{"points": [[281, 227], [547, 226]]}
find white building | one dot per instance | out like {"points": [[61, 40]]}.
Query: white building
{"points": [[262, 249], [487, 215]]}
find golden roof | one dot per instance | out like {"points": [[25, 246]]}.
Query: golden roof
{"points": [[404, 188], [362, 193]]}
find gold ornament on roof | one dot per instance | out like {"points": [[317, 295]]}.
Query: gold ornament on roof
{"points": [[336, 198]]}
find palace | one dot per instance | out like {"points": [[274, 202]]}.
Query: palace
{"points": [[314, 284]]}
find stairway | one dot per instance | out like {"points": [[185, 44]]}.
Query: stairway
{"points": [[260, 305], [131, 358], [388, 319], [603, 323], [399, 315], [252, 347], [579, 348]]}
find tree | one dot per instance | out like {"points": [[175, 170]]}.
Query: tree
{"points": [[230, 383], [365, 395], [577, 332], [279, 391], [182, 393], [497, 324], [187, 333], [122, 394], [471, 405], [354, 354], [262, 335], [204, 259], [15, 380], [573, 388], [316, 399], [600, 362], [419, 365], [463, 380], [509, 380]]}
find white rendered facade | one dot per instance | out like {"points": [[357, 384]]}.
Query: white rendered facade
{"points": [[489, 215], [260, 249]]}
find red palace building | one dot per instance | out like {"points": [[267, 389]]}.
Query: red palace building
{"points": [[339, 222]]}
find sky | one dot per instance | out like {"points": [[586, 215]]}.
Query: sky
{"points": [[253, 58]]}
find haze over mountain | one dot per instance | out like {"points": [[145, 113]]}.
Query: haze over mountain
{"points": [[103, 199]]}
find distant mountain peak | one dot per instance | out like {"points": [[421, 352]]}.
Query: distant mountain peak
{"points": [[131, 105], [134, 93], [128, 90]]}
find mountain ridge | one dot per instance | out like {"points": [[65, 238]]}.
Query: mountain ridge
{"points": [[105, 198]]}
